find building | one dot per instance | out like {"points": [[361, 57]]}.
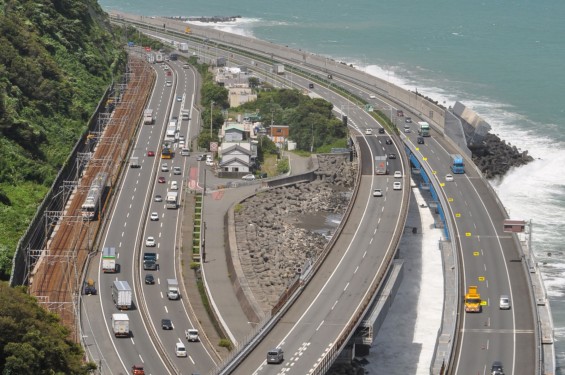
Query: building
{"points": [[279, 133], [239, 95], [238, 157]]}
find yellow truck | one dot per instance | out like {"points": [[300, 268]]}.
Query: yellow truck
{"points": [[472, 300]]}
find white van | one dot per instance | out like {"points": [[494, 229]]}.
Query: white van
{"points": [[185, 152], [180, 350], [174, 185]]}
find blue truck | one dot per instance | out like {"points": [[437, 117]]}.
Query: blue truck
{"points": [[457, 165]]}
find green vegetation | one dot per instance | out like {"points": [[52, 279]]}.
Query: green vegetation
{"points": [[32, 340], [311, 121], [226, 343], [57, 60]]}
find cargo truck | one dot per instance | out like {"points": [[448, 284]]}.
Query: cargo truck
{"points": [[183, 47], [109, 259], [134, 162], [172, 200], [149, 261], [380, 165], [148, 118], [120, 325], [424, 129], [173, 289], [278, 68], [122, 295], [457, 165], [472, 300]]}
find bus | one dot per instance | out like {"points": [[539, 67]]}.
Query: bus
{"points": [[91, 205]]}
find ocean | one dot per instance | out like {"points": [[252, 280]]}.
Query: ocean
{"points": [[502, 58]]}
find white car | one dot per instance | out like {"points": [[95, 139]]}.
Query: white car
{"points": [[168, 83], [180, 350], [181, 143], [372, 96], [368, 131], [504, 302], [397, 174], [448, 177], [248, 177], [154, 216], [177, 170], [377, 193], [397, 185], [209, 162], [164, 167], [150, 241]]}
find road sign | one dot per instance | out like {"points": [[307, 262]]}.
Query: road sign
{"points": [[214, 146]]}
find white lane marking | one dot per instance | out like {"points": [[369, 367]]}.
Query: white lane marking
{"points": [[344, 289], [123, 233], [322, 322], [141, 358], [375, 231], [356, 268], [133, 342], [120, 245], [191, 360], [365, 253], [370, 242], [161, 294], [166, 309], [127, 216], [335, 303]]}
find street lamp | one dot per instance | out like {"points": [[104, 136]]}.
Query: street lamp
{"points": [[211, 109]]}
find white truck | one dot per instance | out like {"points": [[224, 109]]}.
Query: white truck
{"points": [[172, 200], [122, 295], [148, 118], [134, 162], [183, 47], [173, 289], [192, 335], [278, 68], [120, 325], [109, 260]]}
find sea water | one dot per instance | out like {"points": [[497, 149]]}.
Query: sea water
{"points": [[502, 58]]}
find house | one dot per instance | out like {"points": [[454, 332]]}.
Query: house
{"points": [[279, 133], [237, 157]]}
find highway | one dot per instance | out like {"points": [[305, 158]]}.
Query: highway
{"points": [[128, 228], [489, 258]]}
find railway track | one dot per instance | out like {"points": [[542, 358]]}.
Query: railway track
{"points": [[56, 277]]}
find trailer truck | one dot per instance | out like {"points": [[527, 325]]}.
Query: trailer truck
{"points": [[122, 295], [109, 260], [120, 325], [380, 165], [173, 289]]}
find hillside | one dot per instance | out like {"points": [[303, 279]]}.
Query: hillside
{"points": [[57, 58]]}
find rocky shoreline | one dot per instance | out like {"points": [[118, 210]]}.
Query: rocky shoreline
{"points": [[272, 238], [495, 157]]}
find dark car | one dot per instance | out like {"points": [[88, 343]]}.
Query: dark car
{"points": [[381, 130], [388, 141], [399, 113], [311, 85], [166, 324], [150, 153], [201, 157], [496, 368], [392, 156], [420, 140], [161, 180], [149, 279]]}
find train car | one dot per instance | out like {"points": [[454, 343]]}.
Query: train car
{"points": [[91, 204]]}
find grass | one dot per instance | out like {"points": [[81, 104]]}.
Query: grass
{"points": [[270, 165]]}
